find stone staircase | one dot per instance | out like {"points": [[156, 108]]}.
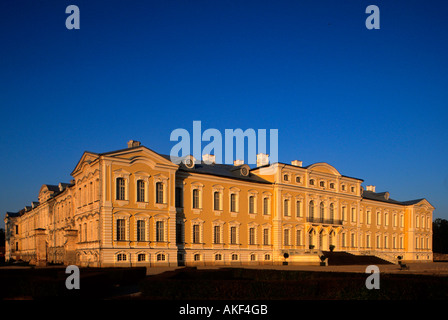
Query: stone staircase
{"points": [[341, 258]]}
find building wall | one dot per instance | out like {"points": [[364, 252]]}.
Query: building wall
{"points": [[302, 211]]}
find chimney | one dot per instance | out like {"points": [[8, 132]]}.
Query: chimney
{"points": [[133, 144], [296, 163], [262, 159], [238, 162], [208, 158], [370, 188]]}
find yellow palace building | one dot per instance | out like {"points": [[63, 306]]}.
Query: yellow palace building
{"points": [[135, 207]]}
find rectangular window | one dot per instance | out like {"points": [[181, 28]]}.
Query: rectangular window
{"points": [[141, 230], [217, 234], [140, 191], [251, 235], [195, 198], [196, 235], [159, 192], [286, 208], [266, 237], [286, 237], [266, 206], [233, 235], [160, 237], [121, 229], [216, 201], [298, 209], [299, 237], [233, 202], [121, 189], [251, 204]]}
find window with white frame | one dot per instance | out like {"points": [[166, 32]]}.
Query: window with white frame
{"points": [[216, 201], [217, 234], [298, 208], [299, 237], [252, 238], [121, 189], [195, 199], [286, 237], [266, 203], [141, 230], [234, 200], [311, 209], [121, 257], [286, 207], [160, 192], [266, 238], [252, 204], [121, 229], [141, 191], [196, 233], [160, 231], [234, 233]]}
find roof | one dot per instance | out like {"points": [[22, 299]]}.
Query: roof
{"points": [[384, 197], [220, 170]]}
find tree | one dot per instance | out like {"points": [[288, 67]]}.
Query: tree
{"points": [[440, 236]]}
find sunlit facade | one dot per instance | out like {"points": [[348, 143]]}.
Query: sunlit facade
{"points": [[135, 207]]}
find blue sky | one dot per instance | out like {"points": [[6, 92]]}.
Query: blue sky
{"points": [[372, 103]]}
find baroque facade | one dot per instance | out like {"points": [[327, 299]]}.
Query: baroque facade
{"points": [[135, 207]]}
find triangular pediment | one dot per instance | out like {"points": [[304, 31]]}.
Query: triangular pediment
{"points": [[86, 158], [141, 154]]}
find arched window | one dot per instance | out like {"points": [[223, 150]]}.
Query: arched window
{"points": [[311, 209]]}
